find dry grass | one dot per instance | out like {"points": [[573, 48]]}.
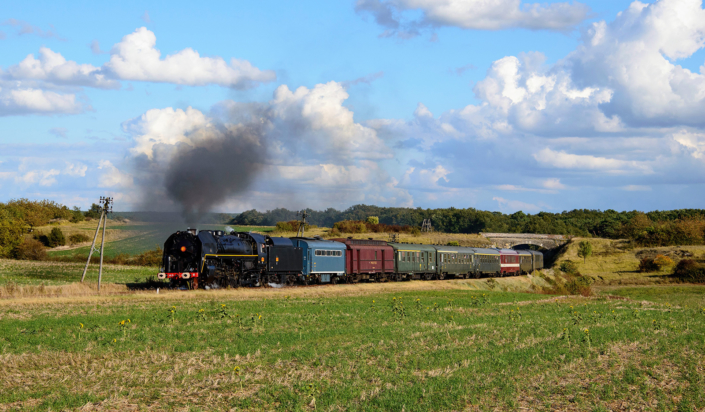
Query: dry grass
{"points": [[614, 263]]}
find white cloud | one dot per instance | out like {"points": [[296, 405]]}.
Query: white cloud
{"points": [[425, 179], [563, 160], [165, 126], [19, 101], [113, 177], [322, 123], [472, 15], [136, 58], [636, 188], [43, 177], [75, 169], [553, 184], [693, 143], [506, 205], [53, 68], [634, 57]]}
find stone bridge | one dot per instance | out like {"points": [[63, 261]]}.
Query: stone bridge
{"points": [[509, 240]]}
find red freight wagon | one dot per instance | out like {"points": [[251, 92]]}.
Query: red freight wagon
{"points": [[509, 260], [368, 259]]}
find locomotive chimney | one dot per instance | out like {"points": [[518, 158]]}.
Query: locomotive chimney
{"points": [[191, 231]]}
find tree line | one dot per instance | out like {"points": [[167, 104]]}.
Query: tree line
{"points": [[656, 228]]}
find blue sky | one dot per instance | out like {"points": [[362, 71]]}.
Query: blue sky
{"points": [[514, 106]]}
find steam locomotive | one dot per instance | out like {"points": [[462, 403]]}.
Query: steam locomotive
{"points": [[235, 259], [213, 258]]}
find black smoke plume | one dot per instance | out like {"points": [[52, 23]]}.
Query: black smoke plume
{"points": [[220, 162]]}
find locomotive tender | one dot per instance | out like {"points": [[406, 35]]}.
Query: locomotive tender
{"points": [[213, 258]]}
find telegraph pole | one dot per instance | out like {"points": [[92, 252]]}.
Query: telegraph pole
{"points": [[302, 225], [106, 207]]}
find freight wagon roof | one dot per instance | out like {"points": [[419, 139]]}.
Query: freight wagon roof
{"points": [[411, 246], [322, 244], [362, 242]]}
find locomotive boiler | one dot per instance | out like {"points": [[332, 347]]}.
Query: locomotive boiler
{"points": [[212, 258]]}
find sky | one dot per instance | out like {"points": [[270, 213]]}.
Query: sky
{"points": [[501, 105]]}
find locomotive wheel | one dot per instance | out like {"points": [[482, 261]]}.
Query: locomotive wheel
{"points": [[441, 276], [334, 280], [477, 275], [290, 280]]}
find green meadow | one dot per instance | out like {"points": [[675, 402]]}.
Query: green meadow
{"points": [[356, 348]]}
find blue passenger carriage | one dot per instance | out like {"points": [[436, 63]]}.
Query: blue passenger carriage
{"points": [[324, 260]]}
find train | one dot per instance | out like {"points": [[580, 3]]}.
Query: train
{"points": [[215, 259]]}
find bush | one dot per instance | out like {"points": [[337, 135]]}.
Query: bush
{"points": [[150, 257], [579, 285], [648, 264], [662, 261], [416, 232], [373, 220], [453, 243], [284, 227], [569, 267], [334, 232], [78, 238], [690, 270], [56, 238], [30, 249]]}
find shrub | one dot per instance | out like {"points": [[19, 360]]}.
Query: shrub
{"points": [[648, 264], [78, 238], [662, 261], [334, 232], [373, 220], [56, 238], [569, 267], [150, 258], [690, 270], [284, 227], [30, 249], [453, 243], [416, 232], [579, 285]]}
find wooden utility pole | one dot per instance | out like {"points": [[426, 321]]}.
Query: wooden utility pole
{"points": [[106, 207], [302, 224]]}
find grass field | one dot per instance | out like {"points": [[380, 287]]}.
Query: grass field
{"points": [[410, 346], [135, 238]]}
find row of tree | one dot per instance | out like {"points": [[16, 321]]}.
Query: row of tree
{"points": [[683, 226]]}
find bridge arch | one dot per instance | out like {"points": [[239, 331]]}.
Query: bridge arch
{"points": [[510, 240]]}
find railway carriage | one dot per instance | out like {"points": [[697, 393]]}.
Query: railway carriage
{"points": [[526, 261], [371, 260], [324, 260], [414, 261], [509, 262], [487, 261], [537, 262], [455, 261]]}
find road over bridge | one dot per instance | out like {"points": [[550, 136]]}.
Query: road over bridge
{"points": [[509, 240]]}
